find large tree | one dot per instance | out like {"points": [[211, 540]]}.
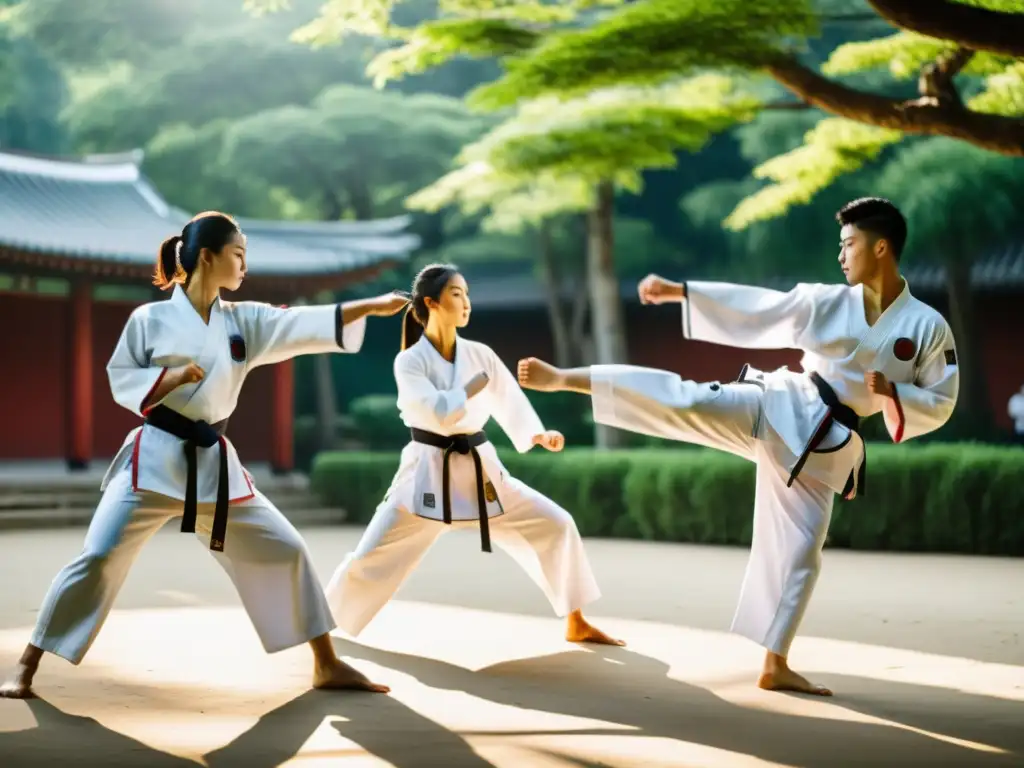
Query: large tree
{"points": [[934, 42], [565, 153]]}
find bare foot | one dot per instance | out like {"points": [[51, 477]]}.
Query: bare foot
{"points": [[536, 374], [19, 685], [340, 676], [579, 630], [785, 679]]}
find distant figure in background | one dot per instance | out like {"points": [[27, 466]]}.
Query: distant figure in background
{"points": [[868, 346], [451, 476], [180, 365], [1016, 410]]}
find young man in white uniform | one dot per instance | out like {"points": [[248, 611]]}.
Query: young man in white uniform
{"points": [[869, 346]]}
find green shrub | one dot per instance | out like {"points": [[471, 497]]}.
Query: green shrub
{"points": [[376, 423], [952, 497]]}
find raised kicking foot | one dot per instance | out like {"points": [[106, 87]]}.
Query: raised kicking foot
{"points": [[19, 684], [785, 679], [338, 676], [579, 630], [536, 374]]}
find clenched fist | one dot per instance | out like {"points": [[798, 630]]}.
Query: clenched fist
{"points": [[552, 440], [190, 374], [877, 384], [655, 289]]}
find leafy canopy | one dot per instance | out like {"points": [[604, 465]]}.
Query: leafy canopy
{"points": [[550, 156]]}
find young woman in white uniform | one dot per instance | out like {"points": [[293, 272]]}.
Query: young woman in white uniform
{"points": [[450, 475], [179, 365]]}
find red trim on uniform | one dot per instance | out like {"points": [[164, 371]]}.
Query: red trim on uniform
{"points": [[248, 480], [149, 394], [899, 410], [135, 461]]}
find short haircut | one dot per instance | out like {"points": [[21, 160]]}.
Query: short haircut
{"points": [[879, 217]]}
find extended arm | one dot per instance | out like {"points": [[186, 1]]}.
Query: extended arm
{"points": [[746, 316], [274, 333], [736, 315], [925, 405]]}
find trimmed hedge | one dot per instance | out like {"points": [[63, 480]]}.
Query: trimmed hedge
{"points": [[952, 497]]}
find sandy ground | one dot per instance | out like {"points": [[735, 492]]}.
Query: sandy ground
{"points": [[926, 655]]}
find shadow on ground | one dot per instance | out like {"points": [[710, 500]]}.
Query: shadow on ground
{"points": [[613, 685]]}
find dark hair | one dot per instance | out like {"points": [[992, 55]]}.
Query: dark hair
{"points": [[429, 284], [210, 230], [879, 217]]}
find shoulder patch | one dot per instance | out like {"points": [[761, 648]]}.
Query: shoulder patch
{"points": [[950, 357], [237, 346], [904, 349]]}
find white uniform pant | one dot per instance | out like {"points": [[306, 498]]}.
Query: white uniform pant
{"points": [[536, 532], [790, 523], [263, 555]]}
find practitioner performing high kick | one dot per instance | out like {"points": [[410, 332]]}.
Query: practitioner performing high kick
{"points": [[179, 365], [868, 346], [450, 475]]}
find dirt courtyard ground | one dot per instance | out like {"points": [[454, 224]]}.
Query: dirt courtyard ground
{"points": [[926, 655]]}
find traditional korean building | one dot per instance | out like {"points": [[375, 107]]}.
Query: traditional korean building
{"points": [[78, 243]]}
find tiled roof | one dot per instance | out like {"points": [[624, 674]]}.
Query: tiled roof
{"points": [[103, 208]]}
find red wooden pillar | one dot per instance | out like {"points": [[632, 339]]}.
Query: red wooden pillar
{"points": [[79, 380], [282, 423]]}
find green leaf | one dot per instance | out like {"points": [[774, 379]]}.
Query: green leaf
{"points": [[432, 44], [340, 18], [1003, 93], [649, 42], [904, 54], [834, 147], [612, 133]]}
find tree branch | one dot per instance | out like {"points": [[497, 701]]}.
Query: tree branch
{"points": [[1004, 135], [936, 84], [786, 106], [969, 26]]}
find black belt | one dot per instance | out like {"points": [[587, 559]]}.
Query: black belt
{"points": [[197, 434], [460, 444], [846, 416]]}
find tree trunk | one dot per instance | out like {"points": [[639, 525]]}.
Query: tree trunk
{"points": [[552, 292], [973, 397], [606, 313], [326, 401], [360, 199], [332, 208], [582, 341]]}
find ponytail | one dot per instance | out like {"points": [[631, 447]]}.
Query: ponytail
{"points": [[169, 270], [429, 284], [179, 255], [412, 329]]}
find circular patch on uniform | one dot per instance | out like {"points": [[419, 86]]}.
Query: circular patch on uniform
{"points": [[904, 349], [238, 349]]}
